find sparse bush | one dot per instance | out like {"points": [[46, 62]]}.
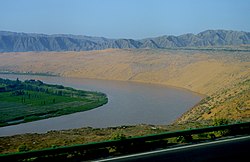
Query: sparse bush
{"points": [[54, 146], [22, 148], [184, 139], [219, 122], [118, 136], [212, 136]]}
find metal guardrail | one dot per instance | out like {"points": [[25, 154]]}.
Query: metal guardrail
{"points": [[128, 145]]}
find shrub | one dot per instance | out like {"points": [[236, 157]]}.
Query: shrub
{"points": [[185, 138], [218, 122], [118, 136], [22, 148]]}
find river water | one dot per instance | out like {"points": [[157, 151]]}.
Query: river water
{"points": [[129, 103]]}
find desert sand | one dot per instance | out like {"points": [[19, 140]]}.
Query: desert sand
{"points": [[205, 72]]}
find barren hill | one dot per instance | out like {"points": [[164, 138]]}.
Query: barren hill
{"points": [[21, 42]]}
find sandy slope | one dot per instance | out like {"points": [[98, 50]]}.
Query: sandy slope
{"points": [[199, 72], [206, 72]]}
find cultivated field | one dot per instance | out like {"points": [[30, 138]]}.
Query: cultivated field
{"points": [[33, 100]]}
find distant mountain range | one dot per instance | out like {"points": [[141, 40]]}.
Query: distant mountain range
{"points": [[20, 42]]}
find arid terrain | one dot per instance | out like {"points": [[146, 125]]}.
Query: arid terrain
{"points": [[222, 75], [35, 141], [211, 72]]}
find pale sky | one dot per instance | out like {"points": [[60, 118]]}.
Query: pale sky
{"points": [[134, 19]]}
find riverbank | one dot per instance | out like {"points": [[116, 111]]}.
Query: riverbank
{"points": [[130, 103], [33, 100], [207, 72], [221, 75]]}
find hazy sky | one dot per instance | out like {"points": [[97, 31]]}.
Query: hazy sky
{"points": [[123, 18]]}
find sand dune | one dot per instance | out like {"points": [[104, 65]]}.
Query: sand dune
{"points": [[205, 72], [196, 71]]}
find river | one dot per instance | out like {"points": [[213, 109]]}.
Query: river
{"points": [[129, 103]]}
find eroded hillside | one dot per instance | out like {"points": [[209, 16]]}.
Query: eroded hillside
{"points": [[232, 103]]}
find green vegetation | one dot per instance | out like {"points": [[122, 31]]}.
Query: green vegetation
{"points": [[34, 100], [22, 148], [27, 73], [118, 136]]}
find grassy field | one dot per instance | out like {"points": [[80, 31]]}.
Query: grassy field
{"points": [[29, 101]]}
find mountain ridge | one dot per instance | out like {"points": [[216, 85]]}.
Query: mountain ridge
{"points": [[23, 42]]}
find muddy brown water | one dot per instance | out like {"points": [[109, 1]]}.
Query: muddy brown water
{"points": [[129, 103]]}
